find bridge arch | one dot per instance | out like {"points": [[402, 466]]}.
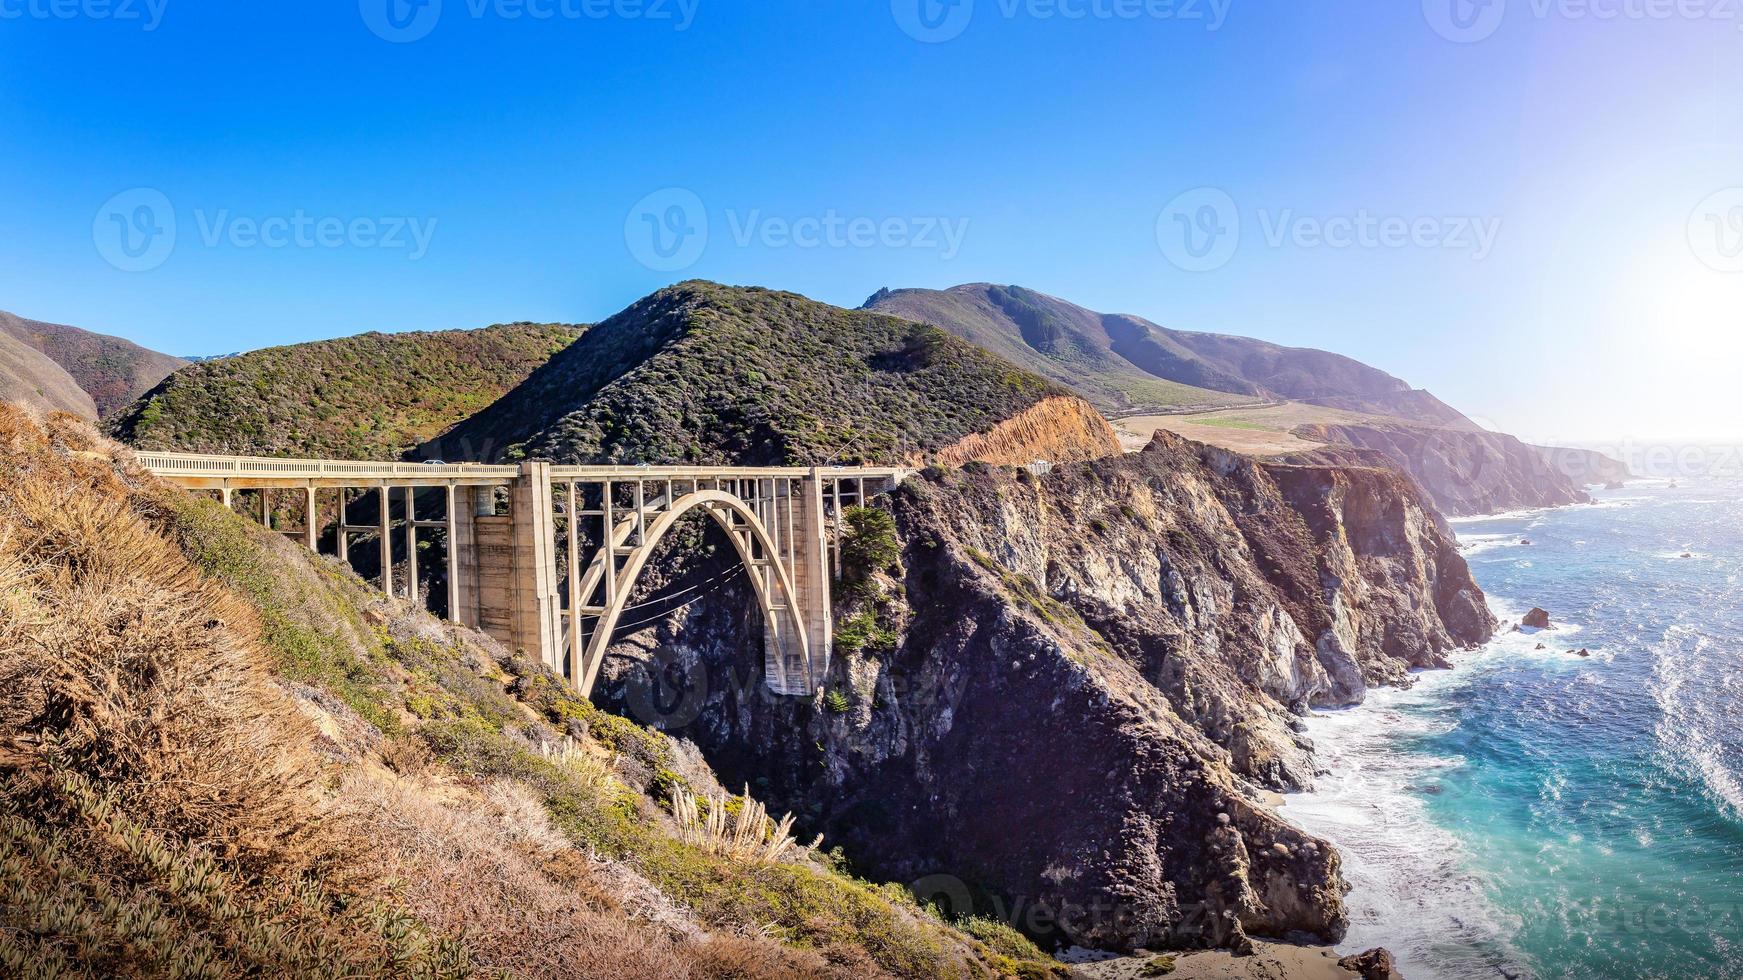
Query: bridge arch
{"points": [[784, 622]]}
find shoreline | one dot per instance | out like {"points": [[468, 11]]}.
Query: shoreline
{"points": [[1411, 890]]}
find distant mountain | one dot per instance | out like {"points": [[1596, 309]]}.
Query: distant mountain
{"points": [[707, 373], [1126, 365], [373, 396], [29, 377], [112, 371]]}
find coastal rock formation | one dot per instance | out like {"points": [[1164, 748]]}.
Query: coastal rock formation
{"points": [[1068, 695], [1375, 964], [1587, 467], [1465, 470], [1536, 619]]}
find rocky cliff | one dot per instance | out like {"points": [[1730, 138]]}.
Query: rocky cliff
{"points": [[1586, 466], [1466, 471], [1064, 700], [1060, 429]]}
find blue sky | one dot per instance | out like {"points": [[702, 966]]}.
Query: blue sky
{"points": [[1546, 186]]}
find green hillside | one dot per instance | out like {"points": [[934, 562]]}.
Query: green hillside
{"points": [[373, 396], [702, 372], [1073, 351], [1129, 366]]}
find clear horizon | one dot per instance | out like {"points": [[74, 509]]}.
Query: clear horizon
{"points": [[1536, 214]]}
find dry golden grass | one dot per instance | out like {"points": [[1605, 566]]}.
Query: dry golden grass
{"points": [[128, 667], [492, 865]]}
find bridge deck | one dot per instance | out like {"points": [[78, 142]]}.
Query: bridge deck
{"points": [[204, 471]]}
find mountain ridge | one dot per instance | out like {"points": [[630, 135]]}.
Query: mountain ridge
{"points": [[1102, 351], [705, 373], [111, 370]]}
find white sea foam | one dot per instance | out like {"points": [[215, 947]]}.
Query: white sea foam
{"points": [[1690, 728], [1412, 890]]}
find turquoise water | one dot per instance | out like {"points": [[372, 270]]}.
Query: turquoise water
{"points": [[1536, 814]]}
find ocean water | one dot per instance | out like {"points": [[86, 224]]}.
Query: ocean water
{"points": [[1532, 813]]}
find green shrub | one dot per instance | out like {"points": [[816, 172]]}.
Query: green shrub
{"points": [[869, 545]]}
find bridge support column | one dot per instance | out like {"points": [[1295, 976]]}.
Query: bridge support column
{"points": [[385, 495], [783, 659], [311, 521], [535, 619]]}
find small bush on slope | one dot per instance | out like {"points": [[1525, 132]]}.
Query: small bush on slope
{"points": [[170, 809]]}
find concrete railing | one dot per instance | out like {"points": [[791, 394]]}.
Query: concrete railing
{"points": [[205, 466], [241, 467]]}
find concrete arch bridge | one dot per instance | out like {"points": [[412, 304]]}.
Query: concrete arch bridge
{"points": [[545, 557]]}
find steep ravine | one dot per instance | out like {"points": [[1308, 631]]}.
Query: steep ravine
{"points": [[1067, 698]]}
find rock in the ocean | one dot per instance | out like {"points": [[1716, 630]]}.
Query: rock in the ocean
{"points": [[1375, 964], [1525, 541], [1537, 619], [1541, 647], [1581, 652]]}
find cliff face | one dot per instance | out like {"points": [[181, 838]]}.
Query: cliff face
{"points": [[1465, 471], [1060, 429], [1585, 466], [1068, 692]]}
